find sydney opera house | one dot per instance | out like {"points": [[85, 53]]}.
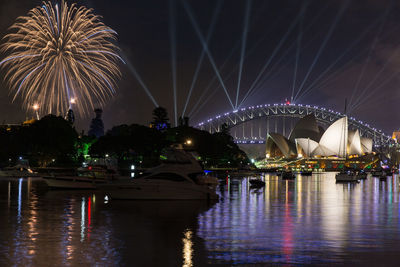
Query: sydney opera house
{"points": [[308, 140]]}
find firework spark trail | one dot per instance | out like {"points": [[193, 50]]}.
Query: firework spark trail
{"points": [[56, 53]]}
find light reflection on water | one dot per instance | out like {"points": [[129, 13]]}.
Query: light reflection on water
{"points": [[187, 248], [308, 220], [41, 227]]}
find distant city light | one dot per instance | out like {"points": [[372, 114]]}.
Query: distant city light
{"points": [[188, 142], [132, 167]]}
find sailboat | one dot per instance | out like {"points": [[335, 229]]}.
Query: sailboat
{"points": [[345, 176]]}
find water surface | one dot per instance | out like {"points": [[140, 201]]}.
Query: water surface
{"points": [[311, 220]]}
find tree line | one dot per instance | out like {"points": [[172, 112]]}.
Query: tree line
{"points": [[53, 141]]}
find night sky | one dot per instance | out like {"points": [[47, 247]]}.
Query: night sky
{"points": [[371, 65]]}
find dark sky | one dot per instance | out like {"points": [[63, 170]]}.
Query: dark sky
{"points": [[143, 28]]}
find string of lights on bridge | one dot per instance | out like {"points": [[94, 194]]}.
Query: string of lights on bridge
{"points": [[256, 140]]}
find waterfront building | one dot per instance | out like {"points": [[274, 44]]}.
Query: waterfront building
{"points": [[309, 140]]}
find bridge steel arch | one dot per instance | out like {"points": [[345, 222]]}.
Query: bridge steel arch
{"points": [[322, 115]]}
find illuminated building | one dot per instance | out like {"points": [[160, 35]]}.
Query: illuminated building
{"points": [[309, 140]]}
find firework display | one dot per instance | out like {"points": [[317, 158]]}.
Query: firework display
{"points": [[61, 57]]}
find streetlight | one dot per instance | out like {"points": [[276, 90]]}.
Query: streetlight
{"points": [[36, 108], [188, 142]]}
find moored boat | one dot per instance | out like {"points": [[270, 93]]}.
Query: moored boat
{"points": [[18, 171], [85, 178], [180, 177], [306, 173], [346, 177]]}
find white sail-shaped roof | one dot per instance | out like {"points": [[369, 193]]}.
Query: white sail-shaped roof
{"points": [[287, 148], [366, 145], [354, 143], [323, 151], [307, 145], [334, 140]]}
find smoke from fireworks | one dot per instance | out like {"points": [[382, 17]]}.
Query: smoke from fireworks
{"points": [[61, 56]]}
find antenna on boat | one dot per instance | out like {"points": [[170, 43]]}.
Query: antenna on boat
{"points": [[345, 106]]}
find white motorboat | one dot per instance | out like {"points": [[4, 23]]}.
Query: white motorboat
{"points": [[346, 177], [86, 178], [18, 171], [179, 177]]}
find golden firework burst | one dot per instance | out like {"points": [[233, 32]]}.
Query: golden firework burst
{"points": [[58, 53]]}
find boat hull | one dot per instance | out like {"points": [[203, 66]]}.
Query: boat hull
{"points": [[72, 183], [17, 174], [288, 176], [162, 191], [345, 178]]}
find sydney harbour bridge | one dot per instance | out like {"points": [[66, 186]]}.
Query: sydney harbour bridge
{"points": [[251, 125]]}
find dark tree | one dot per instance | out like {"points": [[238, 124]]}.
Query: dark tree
{"points": [[97, 126], [216, 149], [50, 139], [184, 121], [160, 119], [130, 143], [225, 129]]}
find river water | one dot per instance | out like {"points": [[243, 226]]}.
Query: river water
{"points": [[308, 221]]}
